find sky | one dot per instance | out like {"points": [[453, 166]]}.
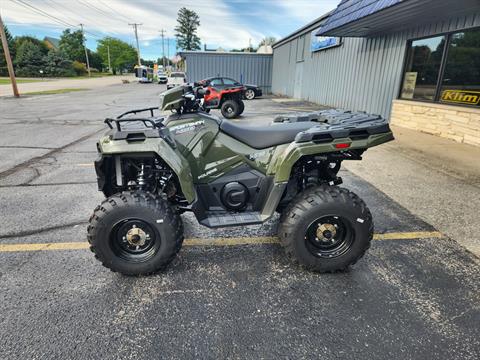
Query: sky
{"points": [[223, 23]]}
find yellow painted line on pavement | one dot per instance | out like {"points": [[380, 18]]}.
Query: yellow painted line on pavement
{"points": [[85, 165], [408, 235], [212, 241], [45, 246], [230, 241]]}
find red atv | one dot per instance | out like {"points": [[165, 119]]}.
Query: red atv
{"points": [[228, 100]]}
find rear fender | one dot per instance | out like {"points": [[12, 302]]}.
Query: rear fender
{"points": [[287, 155], [172, 158]]}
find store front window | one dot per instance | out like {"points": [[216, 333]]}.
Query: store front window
{"points": [[447, 75]]}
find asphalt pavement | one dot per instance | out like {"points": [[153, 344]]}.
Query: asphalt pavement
{"points": [[230, 293]]}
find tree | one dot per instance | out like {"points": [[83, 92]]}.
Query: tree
{"points": [[168, 62], [19, 40], [96, 61], [147, 62], [122, 55], [11, 47], [269, 41], [185, 31], [71, 43], [57, 64], [29, 60]]}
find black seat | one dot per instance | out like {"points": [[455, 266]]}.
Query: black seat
{"points": [[261, 137]]}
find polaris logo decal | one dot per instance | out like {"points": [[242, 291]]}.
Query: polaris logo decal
{"points": [[184, 128], [207, 173], [256, 155]]}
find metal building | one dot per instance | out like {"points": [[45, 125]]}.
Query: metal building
{"points": [[248, 68], [360, 65]]}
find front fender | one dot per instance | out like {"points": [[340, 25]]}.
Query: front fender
{"points": [[173, 158]]}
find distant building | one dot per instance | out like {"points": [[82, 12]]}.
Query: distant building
{"points": [[414, 61], [52, 43], [265, 49], [245, 67]]}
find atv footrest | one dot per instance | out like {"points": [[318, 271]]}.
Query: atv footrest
{"points": [[231, 219]]}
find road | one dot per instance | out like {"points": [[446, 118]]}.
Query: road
{"points": [[230, 293], [65, 83]]}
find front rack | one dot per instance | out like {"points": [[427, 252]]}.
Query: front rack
{"points": [[147, 122]]}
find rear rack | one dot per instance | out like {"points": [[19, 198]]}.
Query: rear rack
{"points": [[151, 122], [153, 127]]}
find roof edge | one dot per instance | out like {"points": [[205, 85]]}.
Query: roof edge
{"points": [[305, 28], [187, 52]]}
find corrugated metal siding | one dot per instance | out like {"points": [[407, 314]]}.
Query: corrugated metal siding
{"points": [[363, 74], [249, 68]]}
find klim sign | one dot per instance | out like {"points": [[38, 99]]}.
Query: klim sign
{"points": [[461, 97]]}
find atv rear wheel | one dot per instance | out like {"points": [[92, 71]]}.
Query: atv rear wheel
{"points": [[230, 109], [135, 233], [326, 228]]}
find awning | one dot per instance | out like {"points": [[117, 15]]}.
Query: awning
{"points": [[358, 18]]}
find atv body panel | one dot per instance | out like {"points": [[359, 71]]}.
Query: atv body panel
{"points": [[224, 178]]}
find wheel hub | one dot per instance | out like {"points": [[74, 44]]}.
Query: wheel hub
{"points": [[329, 236], [136, 236], [326, 232]]}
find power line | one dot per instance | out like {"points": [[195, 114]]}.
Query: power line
{"points": [[114, 10], [41, 12], [52, 17], [59, 8], [93, 7]]}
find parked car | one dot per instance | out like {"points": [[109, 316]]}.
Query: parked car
{"points": [[175, 79], [162, 77], [251, 91]]}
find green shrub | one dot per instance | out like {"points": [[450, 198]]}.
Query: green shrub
{"points": [[79, 68]]}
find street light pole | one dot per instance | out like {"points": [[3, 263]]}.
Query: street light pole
{"points": [[86, 52], [8, 59]]}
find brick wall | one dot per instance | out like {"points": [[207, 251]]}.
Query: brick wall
{"points": [[458, 123]]}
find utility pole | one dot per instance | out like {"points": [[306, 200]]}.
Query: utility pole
{"points": [[168, 51], [108, 54], [8, 59], [86, 52], [136, 38], [162, 33]]}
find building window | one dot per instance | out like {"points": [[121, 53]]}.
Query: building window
{"points": [[423, 68], [444, 69], [301, 48], [461, 80]]}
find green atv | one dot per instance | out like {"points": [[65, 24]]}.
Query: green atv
{"points": [[152, 169]]}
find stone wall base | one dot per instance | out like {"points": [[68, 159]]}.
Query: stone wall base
{"points": [[458, 123]]}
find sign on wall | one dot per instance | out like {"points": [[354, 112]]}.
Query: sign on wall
{"points": [[323, 42], [409, 82], [461, 96]]}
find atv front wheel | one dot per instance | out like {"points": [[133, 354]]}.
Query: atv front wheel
{"points": [[135, 233], [230, 109], [326, 228]]}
